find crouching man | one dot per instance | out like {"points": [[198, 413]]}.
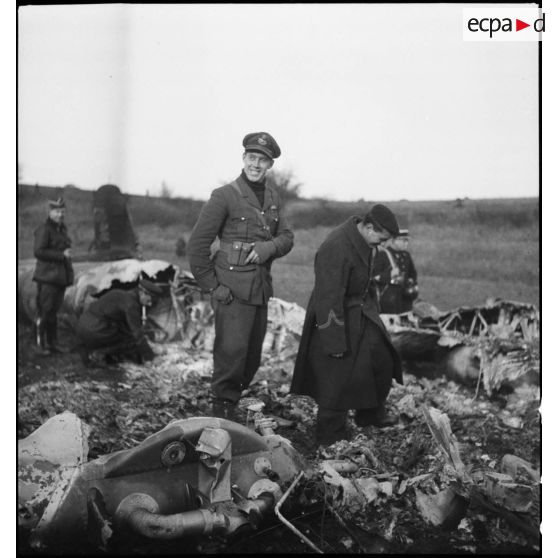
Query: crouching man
{"points": [[113, 323]]}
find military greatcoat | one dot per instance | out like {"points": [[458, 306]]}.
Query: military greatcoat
{"points": [[51, 239], [343, 317], [53, 273]]}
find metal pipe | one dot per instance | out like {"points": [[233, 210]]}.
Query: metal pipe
{"points": [[284, 520], [140, 512], [342, 465]]}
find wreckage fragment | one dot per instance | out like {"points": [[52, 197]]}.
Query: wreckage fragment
{"points": [[196, 477], [47, 459], [495, 490], [114, 234], [439, 425], [167, 319], [498, 341], [444, 509]]}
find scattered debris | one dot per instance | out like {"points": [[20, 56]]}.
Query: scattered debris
{"points": [[461, 466], [198, 476], [445, 509]]}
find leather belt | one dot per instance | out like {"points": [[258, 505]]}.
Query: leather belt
{"points": [[351, 301], [235, 246]]}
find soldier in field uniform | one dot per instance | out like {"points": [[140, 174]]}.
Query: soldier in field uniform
{"points": [[247, 217], [346, 359], [53, 273], [113, 324], [397, 280]]}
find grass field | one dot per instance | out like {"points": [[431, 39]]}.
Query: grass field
{"points": [[464, 253]]}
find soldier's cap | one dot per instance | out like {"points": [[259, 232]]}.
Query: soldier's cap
{"points": [[152, 288], [56, 204], [263, 143], [383, 216]]}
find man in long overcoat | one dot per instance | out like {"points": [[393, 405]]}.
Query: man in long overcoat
{"points": [[53, 273], [247, 216], [346, 359]]}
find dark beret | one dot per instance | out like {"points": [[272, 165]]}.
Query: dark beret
{"points": [[152, 288], [263, 143], [383, 216], [56, 204]]}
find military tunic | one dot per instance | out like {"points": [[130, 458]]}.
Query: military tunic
{"points": [[234, 216], [343, 317], [393, 297]]}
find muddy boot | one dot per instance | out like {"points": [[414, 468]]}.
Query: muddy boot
{"points": [[51, 335], [377, 417], [111, 358], [222, 408], [83, 352], [40, 338]]}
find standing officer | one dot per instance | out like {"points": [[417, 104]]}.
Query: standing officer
{"points": [[53, 273], [346, 359], [397, 280], [247, 216]]}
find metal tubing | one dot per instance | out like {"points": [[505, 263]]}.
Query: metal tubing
{"points": [[284, 520], [157, 526], [141, 513]]}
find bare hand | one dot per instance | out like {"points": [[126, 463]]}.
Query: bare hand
{"points": [[68, 253], [253, 257]]}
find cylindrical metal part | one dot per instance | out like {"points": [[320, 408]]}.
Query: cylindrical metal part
{"points": [[140, 512]]}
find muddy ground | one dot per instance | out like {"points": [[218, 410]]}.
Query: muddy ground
{"points": [[127, 402]]}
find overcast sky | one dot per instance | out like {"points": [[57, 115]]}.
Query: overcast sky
{"points": [[373, 101]]}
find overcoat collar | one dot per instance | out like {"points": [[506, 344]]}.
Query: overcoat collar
{"points": [[363, 250], [247, 193]]}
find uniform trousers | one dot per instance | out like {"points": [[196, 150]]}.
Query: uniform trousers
{"points": [[239, 335], [49, 301]]}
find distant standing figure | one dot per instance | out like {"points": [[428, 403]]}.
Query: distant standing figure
{"points": [[397, 281], [53, 273], [346, 359], [180, 247], [247, 217], [114, 323]]}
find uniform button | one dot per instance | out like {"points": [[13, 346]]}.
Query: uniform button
{"points": [[263, 212], [231, 267], [243, 218]]}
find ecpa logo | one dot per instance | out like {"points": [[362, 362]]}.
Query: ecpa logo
{"points": [[503, 24]]}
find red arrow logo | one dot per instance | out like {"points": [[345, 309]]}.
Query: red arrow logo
{"points": [[519, 25]]}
